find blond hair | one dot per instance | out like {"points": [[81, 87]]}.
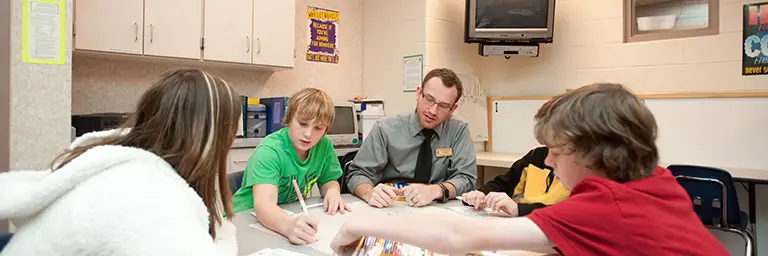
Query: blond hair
{"points": [[611, 127], [189, 118], [310, 104]]}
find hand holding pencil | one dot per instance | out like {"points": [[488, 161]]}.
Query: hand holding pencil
{"points": [[304, 227]]}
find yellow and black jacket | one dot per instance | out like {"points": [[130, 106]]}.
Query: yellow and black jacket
{"points": [[532, 179]]}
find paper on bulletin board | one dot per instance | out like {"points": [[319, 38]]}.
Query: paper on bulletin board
{"points": [[413, 72], [323, 35], [43, 31]]}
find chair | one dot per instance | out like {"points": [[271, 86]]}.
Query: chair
{"points": [[4, 239], [235, 180], [714, 199], [345, 161]]}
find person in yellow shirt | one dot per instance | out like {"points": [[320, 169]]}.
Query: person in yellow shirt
{"points": [[528, 178]]}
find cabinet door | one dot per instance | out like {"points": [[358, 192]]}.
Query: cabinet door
{"points": [[109, 25], [173, 28], [228, 30], [274, 24]]}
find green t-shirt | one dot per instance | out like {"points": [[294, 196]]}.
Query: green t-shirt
{"points": [[275, 162]]}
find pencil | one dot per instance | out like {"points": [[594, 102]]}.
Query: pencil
{"points": [[301, 200]]}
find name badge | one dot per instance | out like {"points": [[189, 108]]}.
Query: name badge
{"points": [[443, 152]]}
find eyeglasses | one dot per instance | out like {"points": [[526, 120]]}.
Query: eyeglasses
{"points": [[431, 101]]}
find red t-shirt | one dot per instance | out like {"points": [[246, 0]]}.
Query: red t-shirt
{"points": [[651, 216]]}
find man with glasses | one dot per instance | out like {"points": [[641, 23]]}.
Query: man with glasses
{"points": [[420, 156]]}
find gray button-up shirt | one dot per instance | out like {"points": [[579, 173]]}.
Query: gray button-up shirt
{"points": [[390, 151]]}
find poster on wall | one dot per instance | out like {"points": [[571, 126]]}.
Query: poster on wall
{"points": [[43, 38], [413, 72], [323, 34], [755, 56]]}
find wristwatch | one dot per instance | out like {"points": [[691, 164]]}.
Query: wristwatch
{"points": [[446, 193]]}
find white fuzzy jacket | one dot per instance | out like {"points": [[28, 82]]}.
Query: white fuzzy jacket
{"points": [[111, 200]]}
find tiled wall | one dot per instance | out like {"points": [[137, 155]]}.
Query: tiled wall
{"points": [[445, 48], [114, 85], [588, 48], [392, 29]]}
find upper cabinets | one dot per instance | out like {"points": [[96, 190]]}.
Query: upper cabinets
{"points": [[274, 45], [234, 31], [229, 30], [172, 28], [110, 26]]}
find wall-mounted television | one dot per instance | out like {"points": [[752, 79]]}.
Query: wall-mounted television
{"points": [[509, 21]]}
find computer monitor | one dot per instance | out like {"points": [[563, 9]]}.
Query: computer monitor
{"points": [[344, 130]]}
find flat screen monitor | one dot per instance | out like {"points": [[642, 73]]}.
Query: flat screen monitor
{"points": [[344, 128]]}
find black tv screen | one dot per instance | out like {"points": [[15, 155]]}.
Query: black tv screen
{"points": [[531, 21], [522, 14]]}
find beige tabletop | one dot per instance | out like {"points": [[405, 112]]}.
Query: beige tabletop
{"points": [[251, 240]]}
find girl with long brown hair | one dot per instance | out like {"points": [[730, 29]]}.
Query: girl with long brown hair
{"points": [[155, 187]]}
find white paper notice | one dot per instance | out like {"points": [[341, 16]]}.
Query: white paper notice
{"points": [[413, 68], [43, 31]]}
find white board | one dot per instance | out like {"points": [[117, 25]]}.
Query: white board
{"points": [[723, 132]]}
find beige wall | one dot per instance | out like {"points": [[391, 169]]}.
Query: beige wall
{"points": [[40, 101], [588, 48], [100, 85], [5, 93], [445, 48], [392, 29]]}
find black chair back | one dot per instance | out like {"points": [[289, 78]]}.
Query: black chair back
{"points": [[235, 180]]}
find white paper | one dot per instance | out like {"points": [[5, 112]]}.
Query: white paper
{"points": [[275, 252], [43, 33], [329, 225], [290, 213], [412, 72], [470, 211]]}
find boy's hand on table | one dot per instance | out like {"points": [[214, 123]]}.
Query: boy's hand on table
{"points": [[474, 198], [380, 196], [418, 195], [501, 201], [303, 230], [333, 203]]}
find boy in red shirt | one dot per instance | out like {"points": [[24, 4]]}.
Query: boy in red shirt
{"points": [[601, 141]]}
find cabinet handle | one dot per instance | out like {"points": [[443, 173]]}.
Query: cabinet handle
{"points": [[240, 161], [135, 31], [151, 33], [247, 44], [258, 50]]}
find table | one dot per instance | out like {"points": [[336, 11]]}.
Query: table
{"points": [[250, 240]]}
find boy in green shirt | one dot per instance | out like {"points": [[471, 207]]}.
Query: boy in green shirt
{"points": [[301, 151]]}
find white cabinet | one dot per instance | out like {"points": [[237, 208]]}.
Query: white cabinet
{"points": [[274, 25], [238, 159], [229, 30], [260, 32], [173, 28], [109, 25]]}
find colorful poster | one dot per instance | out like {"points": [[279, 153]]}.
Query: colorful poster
{"points": [[754, 60], [323, 36]]}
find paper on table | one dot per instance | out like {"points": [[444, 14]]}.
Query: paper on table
{"points": [[275, 252], [329, 225], [290, 213], [466, 210]]}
